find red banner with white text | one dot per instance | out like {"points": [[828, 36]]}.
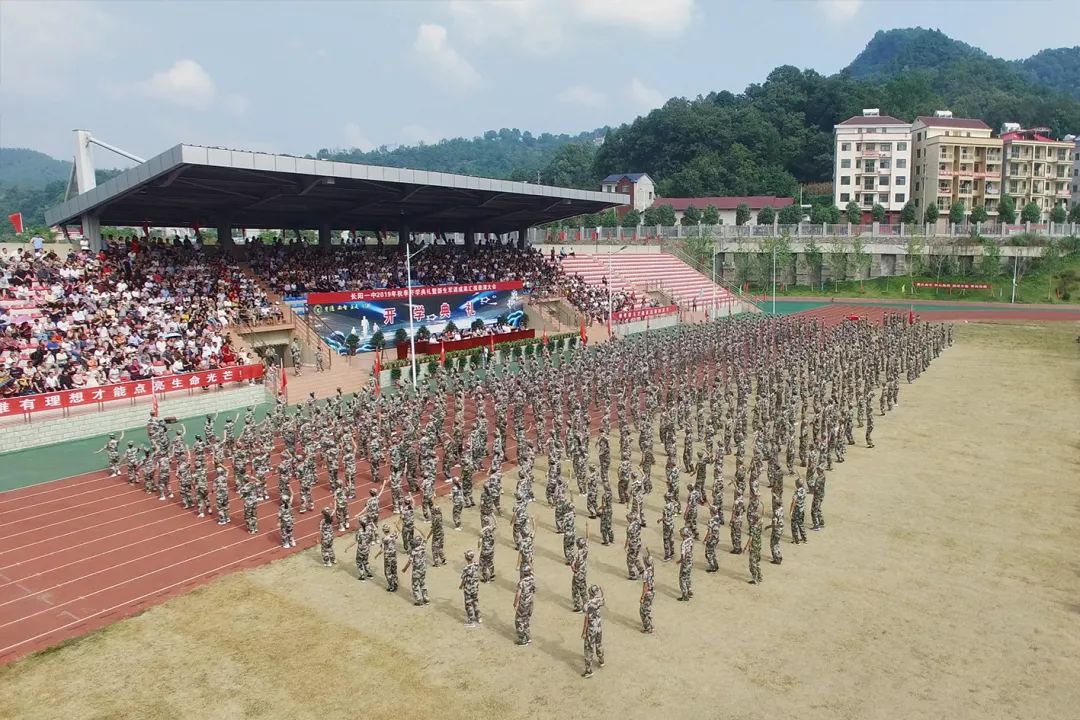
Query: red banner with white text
{"points": [[128, 390], [625, 316], [333, 298], [953, 286]]}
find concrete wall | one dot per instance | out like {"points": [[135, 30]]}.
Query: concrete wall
{"points": [[20, 435]]}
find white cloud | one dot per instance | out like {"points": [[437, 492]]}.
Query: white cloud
{"points": [[644, 96], [355, 138], [186, 83], [38, 46], [543, 27], [582, 96], [839, 11], [667, 19], [414, 134], [443, 60]]}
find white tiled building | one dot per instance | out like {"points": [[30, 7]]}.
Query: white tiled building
{"points": [[1074, 185], [872, 163]]}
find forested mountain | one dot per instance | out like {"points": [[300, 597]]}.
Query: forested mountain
{"points": [[1058, 69], [30, 169], [507, 153]]}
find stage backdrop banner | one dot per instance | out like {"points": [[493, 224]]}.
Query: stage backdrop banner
{"points": [[363, 312]]}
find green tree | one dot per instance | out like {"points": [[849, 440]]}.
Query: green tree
{"points": [[914, 248], [861, 260], [1050, 264], [699, 246], [990, 261], [978, 214], [1074, 213], [877, 213], [744, 267], [909, 215], [957, 211], [1031, 213], [1058, 214], [1007, 209], [692, 216], [711, 216], [790, 215], [837, 261], [853, 213], [742, 214], [812, 261], [766, 216], [659, 215], [609, 219], [931, 214], [631, 219]]}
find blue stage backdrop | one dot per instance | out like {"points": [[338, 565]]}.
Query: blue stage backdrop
{"points": [[363, 312]]}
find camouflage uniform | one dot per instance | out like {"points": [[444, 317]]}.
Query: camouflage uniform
{"points": [[667, 525], [633, 546], [798, 514], [470, 585], [221, 496], [457, 503], [712, 539], [526, 591], [285, 525], [202, 492], [487, 553], [389, 552], [754, 521], [438, 537], [579, 581], [777, 533], [607, 533], [648, 591], [594, 632], [686, 564], [418, 558], [326, 539], [247, 492], [816, 518]]}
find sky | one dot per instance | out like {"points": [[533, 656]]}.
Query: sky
{"points": [[296, 77]]}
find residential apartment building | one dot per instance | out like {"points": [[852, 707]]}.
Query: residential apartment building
{"points": [[955, 160], [1075, 188], [1037, 168], [872, 163]]}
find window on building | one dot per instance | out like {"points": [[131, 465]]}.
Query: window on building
{"points": [[898, 197], [845, 179], [883, 180], [900, 180], [883, 198], [886, 147], [901, 146], [918, 153], [870, 147], [917, 185], [868, 199], [901, 163], [845, 147], [845, 163], [869, 165], [886, 163], [845, 197]]}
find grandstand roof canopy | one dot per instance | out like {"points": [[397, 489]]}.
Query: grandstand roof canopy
{"points": [[191, 185]]}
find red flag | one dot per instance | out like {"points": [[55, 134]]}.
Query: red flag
{"points": [[283, 390], [545, 335], [584, 337], [442, 353], [375, 374], [154, 407], [579, 235], [16, 221], [491, 343], [609, 325], [911, 315]]}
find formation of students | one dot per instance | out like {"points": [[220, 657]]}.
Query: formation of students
{"points": [[778, 397]]}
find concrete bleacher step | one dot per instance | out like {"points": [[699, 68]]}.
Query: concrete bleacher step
{"points": [[648, 271]]}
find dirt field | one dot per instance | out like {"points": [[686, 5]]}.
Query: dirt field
{"points": [[946, 585]]}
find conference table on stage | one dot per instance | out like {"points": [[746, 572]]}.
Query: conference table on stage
{"points": [[427, 347]]}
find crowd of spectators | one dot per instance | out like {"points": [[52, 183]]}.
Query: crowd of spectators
{"points": [[296, 269], [592, 300], [132, 311]]}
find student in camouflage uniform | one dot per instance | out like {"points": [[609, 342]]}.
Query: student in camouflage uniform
{"points": [[294, 350], [438, 537], [633, 546], [247, 492], [164, 477], [341, 508], [364, 539], [686, 565], [408, 523], [389, 553], [131, 462], [592, 630], [607, 509], [798, 513], [326, 537], [320, 359], [470, 585], [648, 591], [579, 581], [285, 523], [523, 604], [777, 533], [693, 501], [202, 491], [457, 502], [183, 474], [487, 552], [816, 518], [667, 525], [753, 517], [712, 539], [221, 495], [371, 511], [112, 450], [418, 561], [736, 525]]}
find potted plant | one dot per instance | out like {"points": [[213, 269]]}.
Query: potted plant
{"points": [[477, 325], [352, 343], [378, 341], [450, 328], [401, 336], [423, 334]]}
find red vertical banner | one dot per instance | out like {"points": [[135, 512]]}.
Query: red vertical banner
{"points": [[584, 337], [375, 374], [154, 407], [16, 222], [442, 353]]}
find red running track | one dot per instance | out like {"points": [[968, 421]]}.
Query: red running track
{"points": [[836, 313]]}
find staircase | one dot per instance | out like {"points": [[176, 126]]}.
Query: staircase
{"points": [[645, 272]]}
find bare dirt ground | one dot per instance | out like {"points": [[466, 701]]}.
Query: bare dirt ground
{"points": [[947, 584]]}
